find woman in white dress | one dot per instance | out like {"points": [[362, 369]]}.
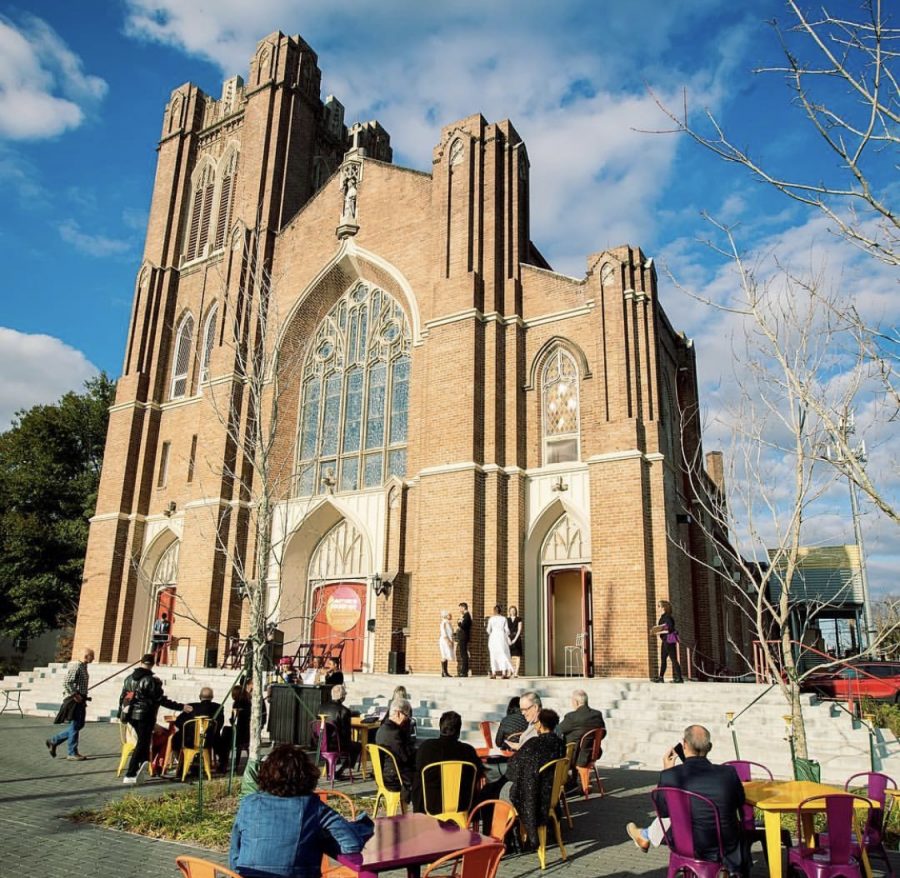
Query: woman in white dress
{"points": [[498, 645], [446, 642]]}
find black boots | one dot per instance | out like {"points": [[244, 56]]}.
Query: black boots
{"points": [[444, 671]]}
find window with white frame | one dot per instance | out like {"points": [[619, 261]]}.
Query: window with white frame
{"points": [[560, 407], [209, 341], [355, 402], [182, 365]]}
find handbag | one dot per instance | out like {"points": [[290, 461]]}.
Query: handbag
{"points": [[672, 637]]}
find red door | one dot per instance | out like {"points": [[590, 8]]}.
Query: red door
{"points": [[165, 603], [340, 615]]}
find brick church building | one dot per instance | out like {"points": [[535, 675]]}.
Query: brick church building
{"points": [[456, 421]]}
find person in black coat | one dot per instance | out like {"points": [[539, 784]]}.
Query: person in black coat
{"points": [[463, 635], [512, 724], [335, 712], [333, 673], [578, 722], [719, 783], [204, 707], [142, 695], [445, 748], [393, 735], [668, 643]]}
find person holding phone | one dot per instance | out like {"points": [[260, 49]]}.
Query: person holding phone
{"points": [[719, 783]]}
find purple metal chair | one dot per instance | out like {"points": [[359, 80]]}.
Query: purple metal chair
{"points": [[680, 834], [876, 784], [836, 857], [755, 833], [329, 747]]}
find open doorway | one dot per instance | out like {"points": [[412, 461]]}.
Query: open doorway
{"points": [[341, 617], [569, 614]]}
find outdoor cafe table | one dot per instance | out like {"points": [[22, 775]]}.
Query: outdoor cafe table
{"points": [[359, 727], [409, 840], [777, 797]]}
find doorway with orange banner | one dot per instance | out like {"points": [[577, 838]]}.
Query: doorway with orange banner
{"points": [[340, 615]]}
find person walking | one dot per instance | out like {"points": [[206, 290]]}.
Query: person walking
{"points": [[498, 645], [75, 687], [463, 634], [142, 695], [668, 646], [514, 621], [445, 642]]}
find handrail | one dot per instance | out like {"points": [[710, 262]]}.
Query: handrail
{"points": [[174, 642]]}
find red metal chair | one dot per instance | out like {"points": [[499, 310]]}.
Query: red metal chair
{"points": [[680, 834], [593, 740], [329, 746], [487, 734], [836, 857]]}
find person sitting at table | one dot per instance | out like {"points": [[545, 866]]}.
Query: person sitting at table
{"points": [[205, 707], [529, 706], [393, 735], [512, 724], [333, 672], [335, 712], [446, 747], [528, 790], [284, 829], [719, 783], [399, 692]]}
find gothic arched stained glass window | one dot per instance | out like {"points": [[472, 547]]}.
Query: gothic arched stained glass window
{"points": [[560, 407], [355, 402]]}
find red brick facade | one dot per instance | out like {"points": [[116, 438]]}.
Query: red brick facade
{"points": [[264, 171]]}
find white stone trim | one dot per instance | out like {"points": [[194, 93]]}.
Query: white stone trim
{"points": [[109, 516], [494, 316]]}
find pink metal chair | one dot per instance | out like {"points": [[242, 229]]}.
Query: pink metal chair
{"points": [[680, 834], [747, 771], [330, 747], [836, 857], [875, 785]]}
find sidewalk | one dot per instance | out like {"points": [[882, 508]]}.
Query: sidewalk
{"points": [[37, 792]]}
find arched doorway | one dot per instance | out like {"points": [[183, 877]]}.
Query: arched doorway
{"points": [[337, 593], [569, 600], [164, 580]]}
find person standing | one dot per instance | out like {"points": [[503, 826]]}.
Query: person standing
{"points": [[514, 621], [668, 647], [463, 634], [76, 687], [445, 642], [142, 695], [498, 645], [160, 637]]}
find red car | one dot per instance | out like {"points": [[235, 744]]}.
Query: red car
{"points": [[878, 680]]}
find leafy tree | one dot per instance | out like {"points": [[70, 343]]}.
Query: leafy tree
{"points": [[49, 472]]}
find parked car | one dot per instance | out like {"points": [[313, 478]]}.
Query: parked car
{"points": [[861, 679]]}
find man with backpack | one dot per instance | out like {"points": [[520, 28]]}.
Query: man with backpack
{"points": [[139, 702]]}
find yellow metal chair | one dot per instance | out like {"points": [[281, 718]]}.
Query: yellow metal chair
{"points": [[194, 867], [128, 740], [457, 785], [197, 734], [503, 819], [393, 801], [560, 770], [571, 749], [329, 870]]}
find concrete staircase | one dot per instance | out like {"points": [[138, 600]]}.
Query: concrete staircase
{"points": [[643, 719]]}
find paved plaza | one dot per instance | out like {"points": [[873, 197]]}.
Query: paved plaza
{"points": [[37, 793]]}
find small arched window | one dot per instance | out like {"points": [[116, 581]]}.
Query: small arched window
{"points": [[181, 367], [209, 340], [201, 209], [560, 408], [226, 200]]}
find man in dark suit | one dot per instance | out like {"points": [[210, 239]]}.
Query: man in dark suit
{"points": [[204, 707], [447, 747], [719, 783], [463, 634], [335, 712], [578, 722]]}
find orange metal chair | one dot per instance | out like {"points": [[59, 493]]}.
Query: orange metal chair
{"points": [[480, 861], [486, 730], [194, 867], [505, 816], [329, 869], [593, 740]]}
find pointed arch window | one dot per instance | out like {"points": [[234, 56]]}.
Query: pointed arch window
{"points": [[209, 341], [226, 200], [181, 367], [201, 210], [560, 408], [354, 409]]}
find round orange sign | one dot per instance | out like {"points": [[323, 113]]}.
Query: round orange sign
{"points": [[343, 608]]}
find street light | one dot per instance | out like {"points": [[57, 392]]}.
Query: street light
{"points": [[846, 429]]}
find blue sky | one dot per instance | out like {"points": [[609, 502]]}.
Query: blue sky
{"points": [[83, 87]]}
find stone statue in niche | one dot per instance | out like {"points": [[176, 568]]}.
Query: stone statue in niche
{"points": [[350, 175]]}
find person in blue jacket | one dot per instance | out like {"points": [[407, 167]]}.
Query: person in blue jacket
{"points": [[283, 830]]}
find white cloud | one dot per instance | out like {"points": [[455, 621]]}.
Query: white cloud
{"points": [[37, 369], [44, 90], [93, 245]]}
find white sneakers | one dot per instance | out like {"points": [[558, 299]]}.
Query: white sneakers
{"points": [[132, 781]]}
